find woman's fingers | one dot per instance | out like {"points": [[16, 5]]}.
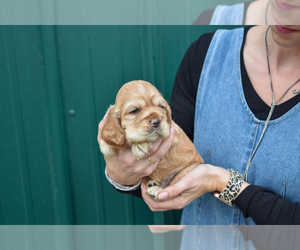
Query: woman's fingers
{"points": [[163, 148], [176, 189], [174, 203], [160, 148], [150, 161], [154, 147], [188, 188], [100, 127], [165, 228]]}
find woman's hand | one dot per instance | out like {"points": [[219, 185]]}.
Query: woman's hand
{"points": [[165, 228], [202, 179], [125, 169]]}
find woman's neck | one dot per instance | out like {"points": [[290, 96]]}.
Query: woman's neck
{"points": [[284, 65], [257, 12], [282, 56]]}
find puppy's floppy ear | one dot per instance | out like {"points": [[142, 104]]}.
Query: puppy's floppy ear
{"points": [[112, 133], [169, 114]]}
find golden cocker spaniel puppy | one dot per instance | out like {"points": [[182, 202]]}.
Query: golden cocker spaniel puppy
{"points": [[140, 116]]}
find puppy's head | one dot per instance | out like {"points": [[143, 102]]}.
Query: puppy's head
{"points": [[140, 114]]}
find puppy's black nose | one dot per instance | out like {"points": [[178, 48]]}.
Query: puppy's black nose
{"points": [[155, 123]]}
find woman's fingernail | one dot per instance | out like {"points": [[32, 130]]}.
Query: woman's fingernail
{"points": [[104, 118], [163, 196], [172, 130]]}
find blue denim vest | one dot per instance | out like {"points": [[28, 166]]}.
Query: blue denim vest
{"points": [[226, 132], [214, 237], [228, 15]]}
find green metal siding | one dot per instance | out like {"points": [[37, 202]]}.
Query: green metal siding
{"points": [[51, 166], [87, 238], [105, 12]]}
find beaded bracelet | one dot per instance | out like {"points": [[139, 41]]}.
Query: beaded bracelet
{"points": [[121, 187]]}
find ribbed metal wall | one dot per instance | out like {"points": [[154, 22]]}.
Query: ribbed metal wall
{"points": [[56, 84], [87, 238], [105, 12]]}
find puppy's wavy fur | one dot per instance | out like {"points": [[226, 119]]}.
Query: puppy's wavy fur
{"points": [[140, 116]]}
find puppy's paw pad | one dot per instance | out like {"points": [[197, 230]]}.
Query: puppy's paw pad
{"points": [[153, 189], [152, 183]]}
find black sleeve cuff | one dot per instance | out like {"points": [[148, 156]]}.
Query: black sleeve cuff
{"points": [[267, 208], [137, 192], [243, 201]]}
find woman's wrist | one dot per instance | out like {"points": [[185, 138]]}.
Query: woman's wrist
{"points": [[122, 180], [230, 185], [120, 186], [222, 177], [244, 185]]}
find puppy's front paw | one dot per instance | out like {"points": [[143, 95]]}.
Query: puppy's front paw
{"points": [[153, 189], [106, 149], [140, 149]]}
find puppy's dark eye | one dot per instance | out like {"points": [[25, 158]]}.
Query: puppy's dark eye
{"points": [[161, 106], [135, 111]]}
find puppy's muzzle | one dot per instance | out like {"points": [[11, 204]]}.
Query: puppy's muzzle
{"points": [[155, 123]]}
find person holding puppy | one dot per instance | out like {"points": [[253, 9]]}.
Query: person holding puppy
{"points": [[242, 110]]}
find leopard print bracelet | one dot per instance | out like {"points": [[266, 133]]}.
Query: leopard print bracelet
{"points": [[232, 188]]}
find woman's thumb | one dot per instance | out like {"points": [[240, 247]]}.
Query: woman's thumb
{"points": [[171, 191]]}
